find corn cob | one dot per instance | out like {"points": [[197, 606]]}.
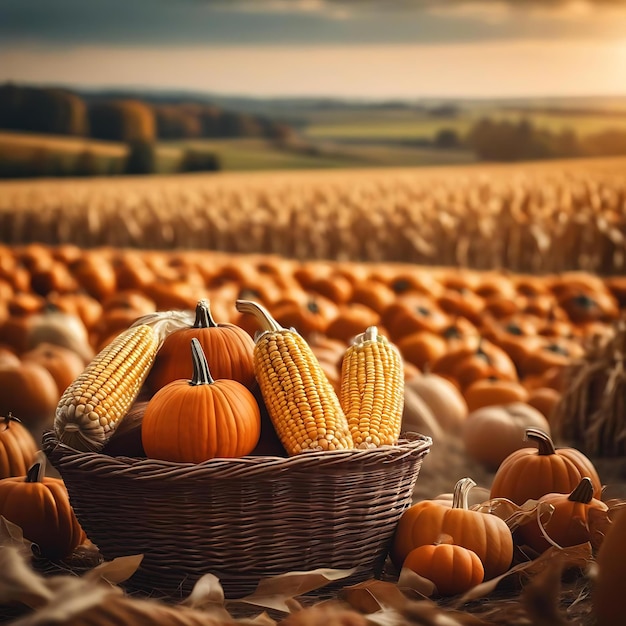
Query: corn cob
{"points": [[301, 402], [93, 405], [372, 390]]}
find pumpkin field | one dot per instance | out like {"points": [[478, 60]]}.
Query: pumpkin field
{"points": [[347, 397]]}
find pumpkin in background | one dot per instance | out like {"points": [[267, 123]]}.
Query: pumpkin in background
{"points": [[568, 525], [351, 320], [493, 391], [425, 522], [411, 313], [64, 364], [608, 600], [40, 506], [492, 433], [229, 348], [17, 447], [451, 568], [465, 364], [443, 399], [190, 421], [308, 313], [28, 391], [545, 400], [555, 352], [95, 274], [530, 472], [463, 303], [373, 294]]}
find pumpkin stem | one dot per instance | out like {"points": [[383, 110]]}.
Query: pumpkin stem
{"points": [[544, 443], [583, 493], [37, 470], [201, 373], [203, 315], [10, 418], [262, 315], [460, 496]]}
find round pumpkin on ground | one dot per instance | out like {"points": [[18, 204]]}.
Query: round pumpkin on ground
{"points": [[568, 524], [531, 472], [40, 506], [17, 447], [425, 522], [453, 569]]}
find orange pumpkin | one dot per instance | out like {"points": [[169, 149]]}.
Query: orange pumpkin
{"points": [[453, 569], [64, 364], [351, 320], [487, 535], [28, 391], [493, 391], [17, 447], [466, 364], [229, 347], [568, 525], [191, 421], [530, 473], [412, 313], [40, 506]]}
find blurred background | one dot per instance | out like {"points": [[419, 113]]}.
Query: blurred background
{"points": [[164, 86]]}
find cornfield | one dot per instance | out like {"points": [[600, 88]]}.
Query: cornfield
{"points": [[547, 217]]}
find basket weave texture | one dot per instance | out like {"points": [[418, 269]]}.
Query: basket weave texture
{"points": [[242, 519]]}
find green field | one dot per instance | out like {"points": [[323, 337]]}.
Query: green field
{"points": [[409, 125], [329, 137]]}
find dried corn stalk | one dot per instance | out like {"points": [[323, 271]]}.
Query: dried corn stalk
{"points": [[592, 412]]}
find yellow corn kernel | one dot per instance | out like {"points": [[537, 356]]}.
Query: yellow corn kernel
{"points": [[372, 390], [302, 404], [92, 406]]}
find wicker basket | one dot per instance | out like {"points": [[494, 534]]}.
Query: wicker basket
{"points": [[242, 519]]}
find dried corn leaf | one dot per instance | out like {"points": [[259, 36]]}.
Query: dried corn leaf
{"points": [[410, 580], [372, 595], [11, 535], [541, 597], [276, 591], [18, 582], [116, 571]]}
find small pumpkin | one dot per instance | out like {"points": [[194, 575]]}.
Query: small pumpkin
{"points": [[191, 421], [487, 535], [229, 347], [17, 447], [40, 506], [492, 433], [568, 525], [530, 472], [451, 568]]}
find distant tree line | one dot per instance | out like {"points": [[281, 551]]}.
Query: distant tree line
{"points": [[61, 112], [136, 123], [502, 140]]}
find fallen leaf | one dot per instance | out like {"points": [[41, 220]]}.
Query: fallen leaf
{"points": [[207, 592], [19, 584], [541, 595], [373, 595], [411, 580], [116, 571], [11, 535], [275, 592]]}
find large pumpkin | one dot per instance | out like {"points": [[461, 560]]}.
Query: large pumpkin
{"points": [[485, 534], [529, 473], [40, 506], [228, 347], [201, 418]]}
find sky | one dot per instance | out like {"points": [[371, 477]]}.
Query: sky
{"points": [[370, 49]]}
